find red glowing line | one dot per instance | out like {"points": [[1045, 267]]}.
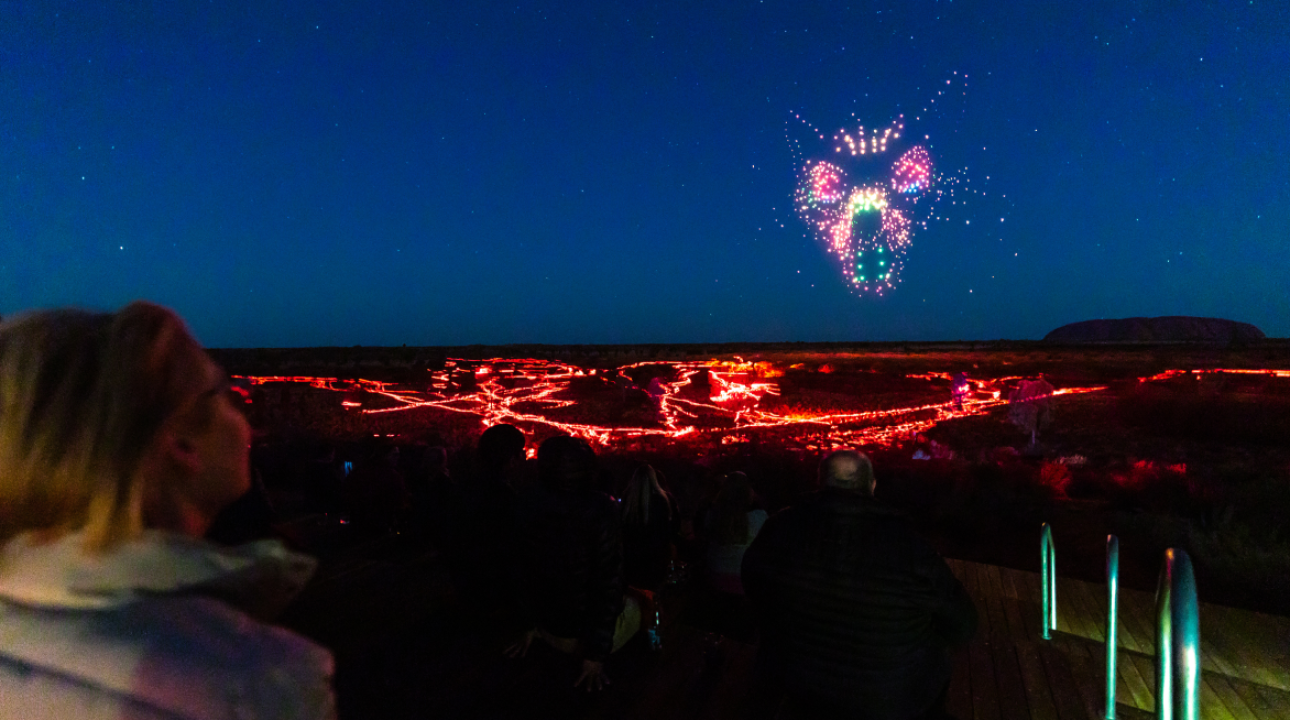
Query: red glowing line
{"points": [[736, 391]]}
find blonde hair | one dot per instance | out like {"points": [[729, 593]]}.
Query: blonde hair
{"points": [[82, 395], [640, 493]]}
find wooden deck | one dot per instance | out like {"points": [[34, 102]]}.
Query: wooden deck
{"points": [[407, 653], [1009, 671]]}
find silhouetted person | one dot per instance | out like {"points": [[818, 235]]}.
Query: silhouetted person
{"points": [[571, 566], [321, 479], [732, 525], [375, 493], [858, 612], [481, 550], [651, 522], [959, 388]]}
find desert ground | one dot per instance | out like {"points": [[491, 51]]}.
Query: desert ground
{"points": [[1162, 445]]}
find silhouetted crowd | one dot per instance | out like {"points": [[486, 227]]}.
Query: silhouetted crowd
{"points": [[144, 546], [854, 613]]}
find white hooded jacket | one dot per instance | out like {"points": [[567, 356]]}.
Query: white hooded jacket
{"points": [[152, 630]]}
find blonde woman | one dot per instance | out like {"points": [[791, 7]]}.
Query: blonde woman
{"points": [[735, 522], [118, 446], [651, 523]]}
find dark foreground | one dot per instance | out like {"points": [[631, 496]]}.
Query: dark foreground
{"points": [[405, 648]]}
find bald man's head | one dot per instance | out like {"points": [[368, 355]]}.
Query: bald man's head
{"points": [[847, 470]]}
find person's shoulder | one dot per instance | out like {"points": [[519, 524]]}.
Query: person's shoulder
{"points": [[184, 654], [267, 666], [225, 636]]}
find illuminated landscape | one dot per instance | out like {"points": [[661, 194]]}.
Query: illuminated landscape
{"points": [[1163, 444]]}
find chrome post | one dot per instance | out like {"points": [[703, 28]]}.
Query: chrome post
{"points": [[1048, 571], [1177, 639], [1112, 596]]}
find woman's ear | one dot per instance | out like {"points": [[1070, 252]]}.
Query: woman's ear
{"points": [[173, 451], [171, 467]]}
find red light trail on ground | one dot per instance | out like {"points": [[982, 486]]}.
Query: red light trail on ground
{"points": [[531, 391]]}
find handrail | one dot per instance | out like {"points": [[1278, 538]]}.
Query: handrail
{"points": [[1177, 639], [1048, 572], [1112, 613]]}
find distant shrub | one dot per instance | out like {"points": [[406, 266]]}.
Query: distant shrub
{"points": [[1056, 477], [1187, 410]]}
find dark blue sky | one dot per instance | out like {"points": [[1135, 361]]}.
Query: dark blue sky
{"points": [[295, 174]]}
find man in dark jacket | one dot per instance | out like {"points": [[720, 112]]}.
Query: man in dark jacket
{"points": [[571, 561], [858, 612], [476, 521]]}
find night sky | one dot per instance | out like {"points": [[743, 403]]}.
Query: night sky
{"points": [[446, 173]]}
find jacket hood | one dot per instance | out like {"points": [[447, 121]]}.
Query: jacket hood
{"points": [[259, 578]]}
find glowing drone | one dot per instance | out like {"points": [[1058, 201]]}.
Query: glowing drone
{"points": [[866, 223]]}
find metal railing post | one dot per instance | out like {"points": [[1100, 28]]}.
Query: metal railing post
{"points": [[1112, 596], [1177, 639], [1048, 572]]}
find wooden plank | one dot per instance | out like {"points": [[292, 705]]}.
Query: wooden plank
{"points": [[1012, 691], [1266, 638], [1245, 690], [1066, 619], [1246, 636], [972, 583], [1016, 617], [1061, 681], [1218, 700], [1212, 706], [1032, 586], [1222, 687], [1147, 671], [1089, 674], [1221, 645], [1080, 620], [959, 700], [1273, 638], [1010, 619], [1011, 586], [1089, 660], [1139, 616], [1128, 634], [1039, 697], [1140, 619], [1089, 597], [1140, 692], [993, 606], [1094, 599], [1277, 700], [1027, 607], [985, 690]]}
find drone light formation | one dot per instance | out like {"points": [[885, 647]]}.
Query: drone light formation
{"points": [[865, 212]]}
